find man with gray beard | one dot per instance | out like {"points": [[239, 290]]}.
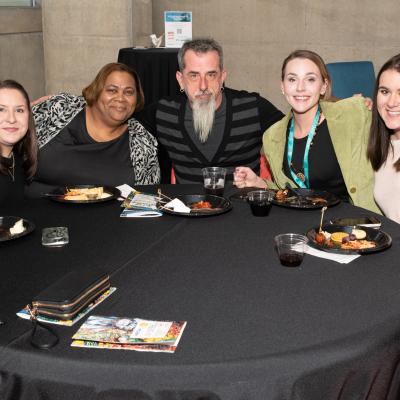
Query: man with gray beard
{"points": [[210, 125], [203, 117]]}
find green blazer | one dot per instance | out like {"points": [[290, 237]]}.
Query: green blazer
{"points": [[348, 123]]}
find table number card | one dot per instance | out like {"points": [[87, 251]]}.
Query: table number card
{"points": [[178, 27]]}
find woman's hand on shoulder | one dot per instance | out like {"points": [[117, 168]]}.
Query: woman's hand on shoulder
{"points": [[40, 100], [367, 100], [246, 177]]}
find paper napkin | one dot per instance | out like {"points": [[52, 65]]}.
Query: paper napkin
{"points": [[125, 189], [340, 258]]}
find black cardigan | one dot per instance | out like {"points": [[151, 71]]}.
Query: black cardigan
{"points": [[248, 115]]}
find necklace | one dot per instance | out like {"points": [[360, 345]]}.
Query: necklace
{"points": [[301, 178], [11, 170]]}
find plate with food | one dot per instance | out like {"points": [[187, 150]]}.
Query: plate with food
{"points": [[14, 227], [304, 198], [199, 205], [84, 194], [349, 239]]}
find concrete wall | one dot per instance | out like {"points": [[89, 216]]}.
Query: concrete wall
{"points": [[258, 34], [80, 36], [21, 48]]}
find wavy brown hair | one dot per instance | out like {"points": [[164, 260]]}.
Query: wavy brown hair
{"points": [[379, 138], [26, 148], [92, 92], [318, 61]]}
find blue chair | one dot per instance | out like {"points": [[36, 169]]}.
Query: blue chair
{"points": [[349, 78]]}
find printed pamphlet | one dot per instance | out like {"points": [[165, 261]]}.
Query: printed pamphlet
{"points": [[129, 334]]}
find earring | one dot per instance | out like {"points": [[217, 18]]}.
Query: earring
{"points": [[222, 88], [181, 90]]}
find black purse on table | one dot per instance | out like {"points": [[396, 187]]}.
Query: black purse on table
{"points": [[65, 298]]}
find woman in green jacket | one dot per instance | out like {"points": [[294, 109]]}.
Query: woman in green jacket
{"points": [[319, 144]]}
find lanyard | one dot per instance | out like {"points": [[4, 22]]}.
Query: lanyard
{"points": [[296, 178]]}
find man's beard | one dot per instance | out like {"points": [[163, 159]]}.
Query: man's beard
{"points": [[203, 116]]}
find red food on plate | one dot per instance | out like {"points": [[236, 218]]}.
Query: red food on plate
{"points": [[200, 205]]}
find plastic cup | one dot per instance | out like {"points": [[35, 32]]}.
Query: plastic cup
{"points": [[291, 247], [260, 202], [214, 180]]}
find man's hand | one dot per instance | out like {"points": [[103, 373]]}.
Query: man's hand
{"points": [[246, 177]]}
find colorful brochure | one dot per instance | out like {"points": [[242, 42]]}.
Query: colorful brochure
{"points": [[155, 348], [129, 334], [140, 205], [24, 313]]}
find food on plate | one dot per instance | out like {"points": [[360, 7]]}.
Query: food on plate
{"points": [[359, 233], [344, 240], [201, 205], [281, 194], [316, 200], [337, 237], [358, 245], [322, 237], [92, 193], [17, 228]]}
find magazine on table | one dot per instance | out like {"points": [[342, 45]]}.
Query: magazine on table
{"points": [[155, 348], [139, 204], [129, 334]]}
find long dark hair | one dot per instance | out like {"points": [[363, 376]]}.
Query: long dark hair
{"points": [[26, 148], [379, 138]]}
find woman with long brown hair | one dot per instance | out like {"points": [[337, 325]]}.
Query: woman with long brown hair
{"points": [[18, 146], [384, 141]]}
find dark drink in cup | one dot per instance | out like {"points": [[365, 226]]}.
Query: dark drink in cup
{"points": [[215, 190], [290, 248], [260, 208], [291, 260], [214, 180], [260, 202]]}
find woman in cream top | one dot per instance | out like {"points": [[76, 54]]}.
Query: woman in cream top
{"points": [[384, 141]]}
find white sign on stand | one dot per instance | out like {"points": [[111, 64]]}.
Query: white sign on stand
{"points": [[178, 27]]}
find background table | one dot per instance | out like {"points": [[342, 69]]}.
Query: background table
{"points": [[256, 330], [156, 69]]}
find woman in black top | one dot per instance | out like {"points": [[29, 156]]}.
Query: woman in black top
{"points": [[93, 139], [18, 146]]}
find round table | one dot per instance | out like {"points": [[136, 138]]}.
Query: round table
{"points": [[255, 329]]}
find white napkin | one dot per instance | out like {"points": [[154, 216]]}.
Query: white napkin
{"points": [[340, 258], [125, 189], [178, 206]]}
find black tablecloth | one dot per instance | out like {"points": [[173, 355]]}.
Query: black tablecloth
{"points": [[156, 69], [255, 329]]}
